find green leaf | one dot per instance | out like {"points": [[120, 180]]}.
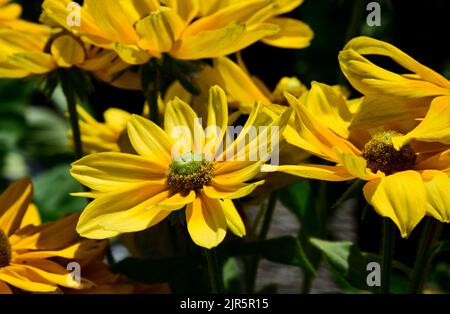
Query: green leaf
{"points": [[350, 263], [51, 193], [284, 250], [231, 275], [297, 198]]}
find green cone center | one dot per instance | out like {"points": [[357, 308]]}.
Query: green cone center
{"points": [[189, 172], [5, 250], [380, 154]]}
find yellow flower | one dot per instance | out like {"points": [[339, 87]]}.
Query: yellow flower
{"points": [[243, 90], [102, 136], [34, 257], [389, 96], [174, 169], [407, 175], [142, 29]]}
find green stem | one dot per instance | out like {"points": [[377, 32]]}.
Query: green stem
{"points": [[307, 282], [388, 255], [252, 269], [215, 276], [422, 264], [268, 216], [71, 99], [153, 97]]}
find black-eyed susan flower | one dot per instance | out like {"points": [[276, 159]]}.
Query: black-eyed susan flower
{"points": [[34, 256], [405, 164], [102, 136], [389, 96], [188, 30], [34, 49], [179, 166]]}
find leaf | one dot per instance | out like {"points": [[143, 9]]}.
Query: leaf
{"points": [[297, 198], [284, 250], [51, 193], [350, 263], [231, 275]]}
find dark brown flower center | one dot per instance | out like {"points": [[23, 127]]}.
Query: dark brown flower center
{"points": [[380, 154], [5, 250], [189, 172]]}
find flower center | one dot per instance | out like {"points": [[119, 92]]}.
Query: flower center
{"points": [[5, 250], [381, 154], [189, 172]]}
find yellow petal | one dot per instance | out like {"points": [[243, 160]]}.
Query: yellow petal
{"points": [[238, 83], [229, 191], [357, 166], [400, 197], [109, 171], [67, 51], [369, 78], [159, 30], [435, 127], [183, 125], [129, 210], [117, 119], [150, 140], [314, 136], [293, 33], [132, 54], [234, 220], [17, 277], [14, 203], [221, 41], [136, 10], [325, 102], [31, 216], [310, 171], [437, 186], [217, 120], [206, 222]]}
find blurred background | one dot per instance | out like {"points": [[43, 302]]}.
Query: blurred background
{"points": [[33, 127]]}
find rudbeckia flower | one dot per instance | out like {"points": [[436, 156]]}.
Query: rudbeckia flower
{"points": [[389, 96], [102, 136], [142, 29], [29, 250], [34, 49], [175, 169], [406, 165]]}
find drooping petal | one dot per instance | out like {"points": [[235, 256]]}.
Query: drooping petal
{"points": [[234, 220], [435, 127], [400, 197], [206, 222], [14, 203], [67, 51], [437, 186], [293, 33], [15, 277]]}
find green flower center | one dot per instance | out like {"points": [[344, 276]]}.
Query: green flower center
{"points": [[5, 250], [380, 154], [189, 172]]}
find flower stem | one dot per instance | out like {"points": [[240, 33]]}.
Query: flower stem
{"points": [[422, 264], [388, 255], [253, 263], [215, 276], [71, 99]]}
